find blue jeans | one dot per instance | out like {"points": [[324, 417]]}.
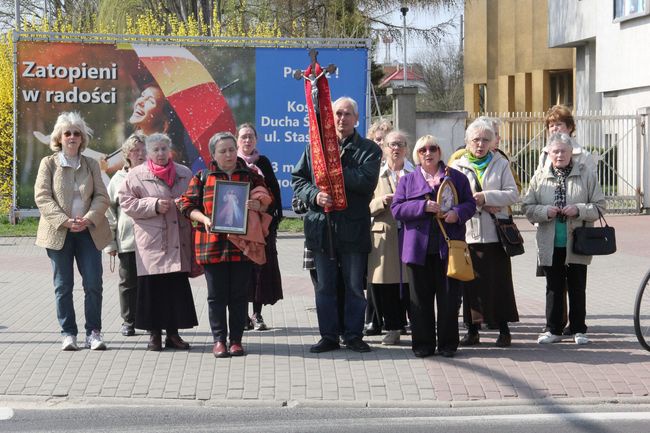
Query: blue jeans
{"points": [[353, 269], [79, 247]]}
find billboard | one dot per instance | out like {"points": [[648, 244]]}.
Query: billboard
{"points": [[190, 92]]}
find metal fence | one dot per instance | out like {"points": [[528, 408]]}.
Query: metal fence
{"points": [[615, 141]]}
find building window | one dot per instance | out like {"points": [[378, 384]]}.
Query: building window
{"points": [[628, 9], [561, 88]]}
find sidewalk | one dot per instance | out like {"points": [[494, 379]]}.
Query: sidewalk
{"points": [[280, 370]]}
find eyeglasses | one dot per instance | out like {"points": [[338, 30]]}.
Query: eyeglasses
{"points": [[432, 149], [69, 133], [396, 144]]}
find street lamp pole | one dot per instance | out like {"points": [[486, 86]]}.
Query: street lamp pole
{"points": [[404, 10]]}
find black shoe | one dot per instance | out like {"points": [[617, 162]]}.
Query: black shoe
{"points": [[358, 345], [423, 353], [324, 345], [370, 329], [127, 330], [504, 340], [447, 353], [470, 340], [249, 324]]}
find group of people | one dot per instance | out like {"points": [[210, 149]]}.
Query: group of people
{"points": [[145, 218], [399, 232], [392, 238]]}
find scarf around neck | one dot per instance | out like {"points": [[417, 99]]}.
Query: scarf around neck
{"points": [[479, 164], [166, 173], [251, 160], [561, 175]]}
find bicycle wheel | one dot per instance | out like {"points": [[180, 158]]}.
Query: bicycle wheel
{"points": [[642, 312]]}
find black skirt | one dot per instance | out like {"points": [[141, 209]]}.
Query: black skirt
{"points": [[266, 285], [490, 298], [165, 302]]}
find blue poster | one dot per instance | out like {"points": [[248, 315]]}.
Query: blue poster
{"points": [[280, 106]]}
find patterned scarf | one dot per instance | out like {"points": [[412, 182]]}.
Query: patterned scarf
{"points": [[166, 173], [560, 173], [251, 160], [479, 164]]}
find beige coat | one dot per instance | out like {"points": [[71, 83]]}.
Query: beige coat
{"points": [[583, 191], [384, 259], [499, 188], [123, 240], [163, 242], [53, 193]]}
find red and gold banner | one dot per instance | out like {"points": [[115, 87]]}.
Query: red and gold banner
{"points": [[325, 153]]}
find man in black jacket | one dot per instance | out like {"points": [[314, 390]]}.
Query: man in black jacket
{"points": [[360, 159]]}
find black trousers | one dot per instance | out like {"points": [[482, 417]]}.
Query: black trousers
{"points": [[427, 283], [128, 287], [228, 290], [573, 277], [388, 295]]}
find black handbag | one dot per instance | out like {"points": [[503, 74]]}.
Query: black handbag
{"points": [[594, 241], [509, 235]]}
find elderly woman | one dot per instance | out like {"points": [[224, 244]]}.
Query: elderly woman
{"points": [[374, 320], [490, 297], [266, 285], [72, 200], [559, 120], [228, 270], [560, 198], [385, 269], [424, 248], [123, 243], [162, 244]]}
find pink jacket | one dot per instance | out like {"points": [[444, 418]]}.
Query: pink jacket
{"points": [[163, 242], [257, 228]]}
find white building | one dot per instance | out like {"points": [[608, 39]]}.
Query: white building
{"points": [[612, 42]]}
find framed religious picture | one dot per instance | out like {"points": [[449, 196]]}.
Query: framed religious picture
{"points": [[447, 196], [229, 213]]}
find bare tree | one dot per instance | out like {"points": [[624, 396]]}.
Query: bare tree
{"points": [[442, 70]]}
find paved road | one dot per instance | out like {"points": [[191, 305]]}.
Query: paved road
{"points": [[279, 370]]}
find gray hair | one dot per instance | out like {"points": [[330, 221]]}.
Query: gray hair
{"points": [[355, 106], [129, 144], [399, 132], [560, 138], [156, 138], [225, 135], [494, 121], [423, 141], [480, 125], [65, 121]]}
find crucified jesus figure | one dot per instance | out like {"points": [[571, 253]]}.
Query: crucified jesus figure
{"points": [[313, 79]]}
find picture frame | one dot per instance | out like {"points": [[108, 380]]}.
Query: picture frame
{"points": [[229, 213], [447, 196]]}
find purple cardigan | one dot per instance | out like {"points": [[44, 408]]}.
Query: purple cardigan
{"points": [[408, 207]]}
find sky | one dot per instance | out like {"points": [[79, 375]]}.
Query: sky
{"points": [[422, 19]]}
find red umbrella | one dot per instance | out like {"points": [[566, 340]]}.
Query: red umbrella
{"points": [[191, 91]]}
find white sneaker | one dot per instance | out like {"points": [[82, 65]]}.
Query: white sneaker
{"points": [[548, 337], [580, 338], [69, 343], [391, 338], [94, 341]]}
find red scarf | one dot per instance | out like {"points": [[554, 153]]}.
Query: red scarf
{"points": [[325, 157], [166, 173]]}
